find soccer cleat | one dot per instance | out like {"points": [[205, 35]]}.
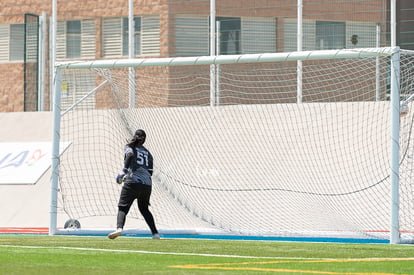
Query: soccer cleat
{"points": [[156, 236], [115, 234]]}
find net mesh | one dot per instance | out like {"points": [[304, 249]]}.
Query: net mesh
{"points": [[245, 158]]}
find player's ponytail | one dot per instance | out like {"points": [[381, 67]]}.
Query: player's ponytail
{"points": [[138, 139]]}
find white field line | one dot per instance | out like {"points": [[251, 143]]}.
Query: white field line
{"points": [[152, 252], [203, 254]]}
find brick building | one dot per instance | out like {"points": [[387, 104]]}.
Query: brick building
{"points": [[93, 29]]}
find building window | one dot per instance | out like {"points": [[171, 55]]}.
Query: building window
{"points": [[191, 36], [76, 39], [125, 36], [73, 39], [115, 36], [237, 35], [330, 35], [16, 47], [230, 29]]}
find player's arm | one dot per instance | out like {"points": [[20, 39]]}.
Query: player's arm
{"points": [[150, 163], [129, 157]]}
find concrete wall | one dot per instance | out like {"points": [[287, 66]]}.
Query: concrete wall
{"points": [[25, 205]]}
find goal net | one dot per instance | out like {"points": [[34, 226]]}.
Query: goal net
{"points": [[285, 144]]}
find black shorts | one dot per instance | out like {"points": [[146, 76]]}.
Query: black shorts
{"points": [[131, 191]]}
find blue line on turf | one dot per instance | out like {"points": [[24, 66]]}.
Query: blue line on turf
{"points": [[273, 238], [240, 237]]}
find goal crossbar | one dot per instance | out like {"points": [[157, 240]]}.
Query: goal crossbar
{"points": [[231, 59]]}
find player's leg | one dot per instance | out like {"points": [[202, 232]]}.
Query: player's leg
{"points": [[125, 201], [143, 203]]}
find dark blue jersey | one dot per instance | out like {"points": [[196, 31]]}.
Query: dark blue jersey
{"points": [[139, 162]]}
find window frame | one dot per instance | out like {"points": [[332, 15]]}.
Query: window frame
{"points": [[73, 39], [137, 35], [229, 26], [16, 42], [330, 35]]}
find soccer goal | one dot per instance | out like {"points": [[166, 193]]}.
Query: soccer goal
{"points": [[301, 144]]}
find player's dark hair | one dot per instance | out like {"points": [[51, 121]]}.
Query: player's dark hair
{"points": [[138, 139]]}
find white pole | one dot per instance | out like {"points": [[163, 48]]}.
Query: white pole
{"points": [[393, 23], [55, 154], [42, 62], [131, 53], [218, 65], [53, 50], [299, 68], [55, 102], [51, 67], [395, 147], [212, 51], [378, 66]]}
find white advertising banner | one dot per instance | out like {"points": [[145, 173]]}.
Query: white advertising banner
{"points": [[25, 162]]}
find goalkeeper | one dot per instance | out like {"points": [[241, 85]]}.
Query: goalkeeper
{"points": [[136, 176]]}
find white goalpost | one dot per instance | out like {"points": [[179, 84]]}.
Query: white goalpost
{"points": [[336, 164]]}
